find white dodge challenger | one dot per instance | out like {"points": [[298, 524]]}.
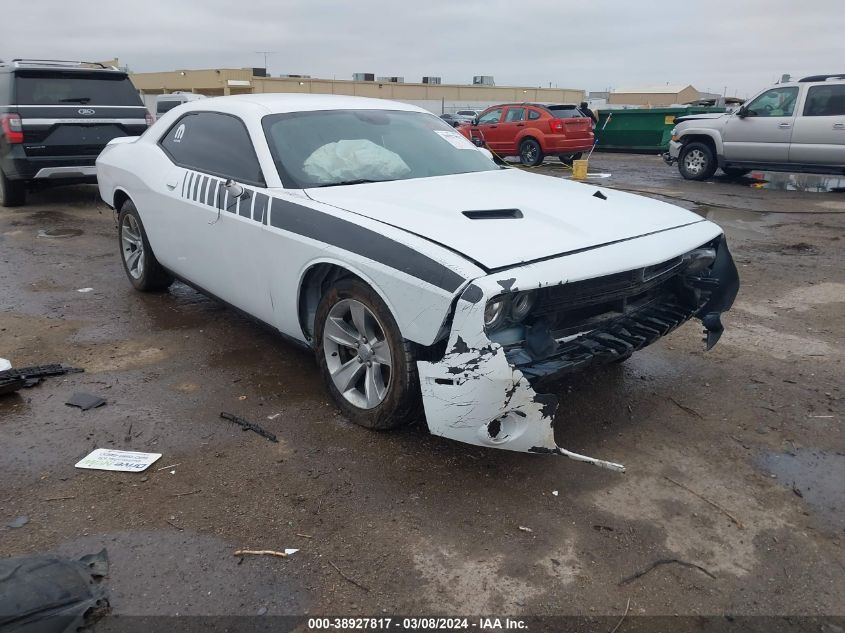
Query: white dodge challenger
{"points": [[417, 269]]}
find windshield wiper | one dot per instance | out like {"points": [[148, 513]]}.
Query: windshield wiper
{"points": [[357, 181], [76, 100]]}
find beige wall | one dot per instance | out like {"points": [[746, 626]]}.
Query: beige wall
{"points": [[215, 82], [653, 99]]}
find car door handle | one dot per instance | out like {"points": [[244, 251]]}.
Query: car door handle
{"points": [[839, 126], [520, 125], [784, 125]]}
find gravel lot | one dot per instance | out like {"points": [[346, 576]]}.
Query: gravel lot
{"points": [[735, 458]]}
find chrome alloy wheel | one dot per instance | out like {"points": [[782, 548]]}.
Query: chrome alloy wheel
{"points": [[132, 246], [357, 353], [695, 162]]}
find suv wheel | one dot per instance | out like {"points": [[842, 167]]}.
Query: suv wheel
{"points": [[530, 152], [139, 262], [12, 192], [367, 366], [697, 161]]}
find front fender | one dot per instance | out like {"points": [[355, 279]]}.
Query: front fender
{"points": [[686, 133]]}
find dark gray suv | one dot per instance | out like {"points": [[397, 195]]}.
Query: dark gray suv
{"points": [[56, 117]]}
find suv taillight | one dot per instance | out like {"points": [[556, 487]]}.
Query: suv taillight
{"points": [[12, 128], [556, 125], [148, 117]]}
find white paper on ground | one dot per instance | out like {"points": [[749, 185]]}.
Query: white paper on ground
{"points": [[4, 364], [125, 461]]}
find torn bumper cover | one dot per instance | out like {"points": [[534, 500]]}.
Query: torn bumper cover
{"points": [[482, 391]]}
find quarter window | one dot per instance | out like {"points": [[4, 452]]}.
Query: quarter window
{"points": [[825, 101], [490, 117], [214, 143], [774, 102], [514, 115], [533, 115]]}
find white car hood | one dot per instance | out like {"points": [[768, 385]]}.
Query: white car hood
{"points": [[559, 216]]}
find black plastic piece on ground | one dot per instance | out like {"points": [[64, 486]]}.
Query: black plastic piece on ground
{"points": [[248, 426], [85, 401], [16, 378]]}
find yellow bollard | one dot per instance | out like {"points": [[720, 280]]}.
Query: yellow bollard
{"points": [[579, 169]]}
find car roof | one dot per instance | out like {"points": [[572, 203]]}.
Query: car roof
{"points": [[279, 103]]}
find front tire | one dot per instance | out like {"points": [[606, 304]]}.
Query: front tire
{"points": [[697, 161], [12, 192], [530, 153], [367, 366], [139, 261]]}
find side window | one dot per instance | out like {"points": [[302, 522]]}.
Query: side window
{"points": [[490, 117], [514, 115], [166, 106], [774, 102], [213, 143], [533, 115], [825, 101]]}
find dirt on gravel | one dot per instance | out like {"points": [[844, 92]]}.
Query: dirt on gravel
{"points": [[735, 457]]}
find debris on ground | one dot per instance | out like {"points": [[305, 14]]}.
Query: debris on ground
{"points": [[84, 290], [123, 461], [52, 595], [248, 426], [525, 529], [686, 409], [12, 379], [736, 521], [265, 552], [85, 401], [18, 522], [664, 561], [349, 579]]}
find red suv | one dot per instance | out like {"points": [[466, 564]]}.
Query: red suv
{"points": [[533, 131]]}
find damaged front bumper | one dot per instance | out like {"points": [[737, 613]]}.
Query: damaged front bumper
{"points": [[482, 391]]}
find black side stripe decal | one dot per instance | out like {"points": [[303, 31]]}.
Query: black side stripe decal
{"points": [[212, 187], [245, 204], [196, 186], [362, 241]]}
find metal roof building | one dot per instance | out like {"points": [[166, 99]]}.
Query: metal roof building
{"points": [[655, 96]]}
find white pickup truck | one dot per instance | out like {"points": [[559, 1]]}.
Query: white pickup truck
{"points": [[796, 127]]}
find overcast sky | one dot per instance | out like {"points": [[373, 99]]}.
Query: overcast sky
{"points": [[590, 44]]}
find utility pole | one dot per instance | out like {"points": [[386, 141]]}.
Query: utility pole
{"points": [[265, 53]]}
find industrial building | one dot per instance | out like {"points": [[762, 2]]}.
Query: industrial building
{"points": [[653, 96], [431, 95]]}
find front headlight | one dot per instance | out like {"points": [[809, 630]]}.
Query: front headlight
{"points": [[521, 305], [700, 259], [494, 313]]}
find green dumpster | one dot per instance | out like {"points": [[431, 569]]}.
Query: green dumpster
{"points": [[641, 129]]}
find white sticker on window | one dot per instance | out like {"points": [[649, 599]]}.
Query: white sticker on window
{"points": [[456, 139], [180, 132]]}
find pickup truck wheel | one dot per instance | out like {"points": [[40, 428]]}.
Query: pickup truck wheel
{"points": [[530, 152], [12, 192], [697, 161], [567, 159], [369, 369], [139, 261], [735, 172]]}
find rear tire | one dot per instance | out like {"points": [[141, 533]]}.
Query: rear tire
{"points": [[530, 153], [139, 261], [569, 158], [735, 172], [12, 192], [697, 161], [353, 369]]}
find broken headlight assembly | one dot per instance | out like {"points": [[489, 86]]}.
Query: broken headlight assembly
{"points": [[508, 309], [699, 260]]}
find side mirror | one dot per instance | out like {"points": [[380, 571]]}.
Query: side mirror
{"points": [[742, 112], [235, 189], [475, 120]]}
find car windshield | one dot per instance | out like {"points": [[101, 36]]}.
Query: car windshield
{"points": [[337, 147]]}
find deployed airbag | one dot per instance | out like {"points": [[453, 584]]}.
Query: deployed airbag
{"points": [[358, 159]]}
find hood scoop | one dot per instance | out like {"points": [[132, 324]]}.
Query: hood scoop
{"points": [[494, 214]]}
